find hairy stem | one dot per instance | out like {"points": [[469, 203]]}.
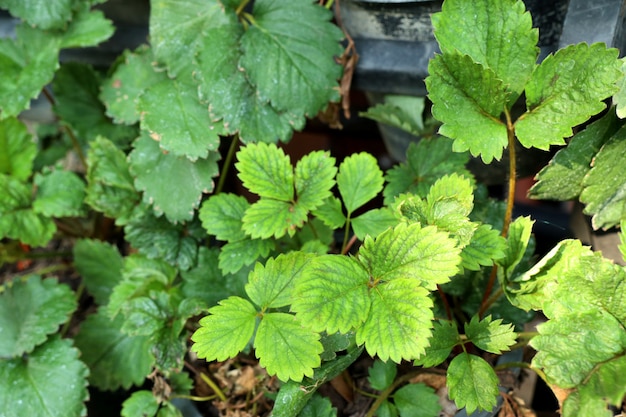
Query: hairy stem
{"points": [[227, 162]]}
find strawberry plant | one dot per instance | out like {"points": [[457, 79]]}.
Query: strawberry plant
{"points": [[172, 272]]}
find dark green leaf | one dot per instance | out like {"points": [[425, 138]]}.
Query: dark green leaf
{"points": [[17, 149], [236, 255], [87, 28], [318, 406], [402, 112], [445, 337], [140, 403], [417, 400], [59, 194], [382, 374], [486, 246], [100, 267]]}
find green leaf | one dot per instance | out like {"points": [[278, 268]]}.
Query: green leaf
{"points": [[517, 243], [604, 190], [444, 338], [373, 222], [472, 383], [236, 255], [314, 178], [382, 374], [331, 294], [87, 28], [59, 194], [100, 267], [221, 215], [318, 406], [226, 330], [562, 179], [115, 359], [286, 348], [417, 400], [40, 13], [28, 63], [140, 403], [17, 219], [498, 35], [330, 213], [622, 239], [387, 409], [564, 91], [29, 311], [160, 177], [121, 91], [359, 180], [411, 251], [334, 343], [271, 285], [51, 381], [169, 348], [490, 335], [402, 112], [110, 187], [468, 98], [268, 217], [620, 96], [486, 246], [17, 149], [174, 116], [399, 321], [292, 46], [265, 170]]}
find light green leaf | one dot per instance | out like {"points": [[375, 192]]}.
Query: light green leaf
{"points": [[498, 35], [622, 239], [115, 359], [271, 285], [619, 98], [238, 254], [562, 179], [330, 213], [100, 267], [265, 170], [373, 222], [468, 98], [160, 176], [451, 193], [286, 348], [402, 112], [51, 381], [87, 28], [29, 311], [268, 217], [604, 190], [410, 251], [140, 403], [486, 246], [28, 64], [382, 374], [314, 178], [564, 91], [417, 400], [399, 323], [226, 330], [490, 335], [221, 215], [517, 243], [17, 149], [359, 180], [41, 13], [174, 116], [472, 383], [444, 338], [332, 294], [59, 194]]}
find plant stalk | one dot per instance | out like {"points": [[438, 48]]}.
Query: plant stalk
{"points": [[227, 162]]}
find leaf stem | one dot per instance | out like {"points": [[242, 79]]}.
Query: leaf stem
{"points": [[347, 247], [241, 6], [227, 162], [213, 386], [525, 365], [345, 235]]}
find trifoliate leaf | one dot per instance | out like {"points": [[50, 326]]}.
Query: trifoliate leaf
{"points": [[490, 335], [59, 194], [226, 330], [140, 403], [410, 251], [114, 358], [562, 178], [604, 190], [265, 170], [330, 212], [314, 177], [402, 112], [373, 222], [238, 254], [499, 35], [40, 13], [268, 217], [160, 177], [331, 294], [486, 246], [426, 162], [619, 99], [564, 91], [221, 216], [87, 28], [359, 180], [292, 46], [517, 243], [51, 381], [29, 311], [17, 149], [17, 218], [472, 383], [100, 267], [110, 187], [444, 338], [417, 400], [399, 322], [318, 406], [28, 64], [382, 374], [286, 348], [174, 116], [120, 92], [271, 285]]}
